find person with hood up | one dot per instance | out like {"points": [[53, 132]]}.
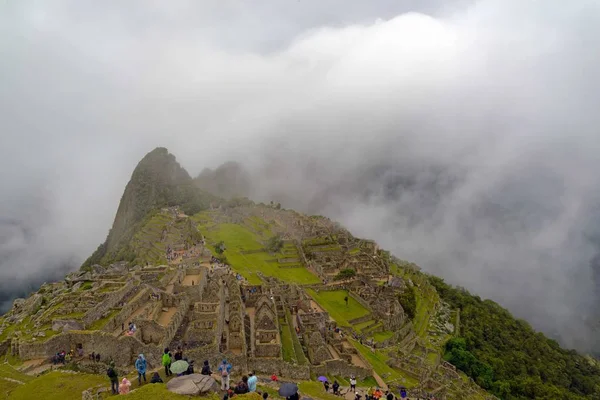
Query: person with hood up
{"points": [[225, 369], [124, 386], [166, 362], [206, 369], [336, 387], [156, 378], [140, 366], [114, 378]]}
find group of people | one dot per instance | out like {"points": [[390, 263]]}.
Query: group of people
{"points": [[372, 394]]}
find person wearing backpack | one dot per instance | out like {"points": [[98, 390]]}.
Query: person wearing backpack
{"points": [[225, 369], [166, 362], [114, 378]]}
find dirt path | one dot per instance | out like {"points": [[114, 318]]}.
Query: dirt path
{"points": [[191, 280], [165, 317]]}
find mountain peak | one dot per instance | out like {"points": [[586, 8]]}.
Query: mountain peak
{"points": [[157, 181]]}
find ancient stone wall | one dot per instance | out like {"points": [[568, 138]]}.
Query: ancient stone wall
{"points": [[150, 331], [360, 300], [124, 315], [123, 350], [66, 325], [171, 329], [111, 300], [340, 368]]}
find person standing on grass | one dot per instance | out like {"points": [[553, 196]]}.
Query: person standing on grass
{"points": [[225, 369], [140, 366], [114, 378], [252, 379], [166, 362]]}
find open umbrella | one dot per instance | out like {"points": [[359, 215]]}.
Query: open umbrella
{"points": [[179, 367], [322, 378], [288, 389]]}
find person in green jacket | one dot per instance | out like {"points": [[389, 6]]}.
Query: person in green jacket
{"points": [[166, 362]]}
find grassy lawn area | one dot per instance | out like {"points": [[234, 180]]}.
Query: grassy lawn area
{"points": [[57, 386], [99, 324], [333, 302], [239, 240], [363, 325], [378, 361], [287, 345], [382, 336], [315, 390], [300, 356]]}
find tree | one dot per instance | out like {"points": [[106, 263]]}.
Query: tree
{"points": [[345, 274], [220, 247], [408, 301], [275, 244]]}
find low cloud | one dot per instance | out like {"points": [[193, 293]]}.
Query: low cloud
{"points": [[459, 135]]}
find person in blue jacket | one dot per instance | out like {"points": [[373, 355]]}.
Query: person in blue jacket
{"points": [[140, 366]]}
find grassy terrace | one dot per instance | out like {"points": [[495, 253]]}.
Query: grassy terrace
{"points": [[378, 359], [245, 251], [333, 302]]}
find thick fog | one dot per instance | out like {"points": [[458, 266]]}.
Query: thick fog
{"points": [[460, 135]]}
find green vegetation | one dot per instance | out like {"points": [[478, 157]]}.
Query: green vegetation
{"points": [[56, 386], [275, 244], [345, 274], [382, 336], [300, 357], [99, 324], [408, 301], [315, 390], [246, 252], [287, 345], [333, 302], [510, 359], [377, 359]]}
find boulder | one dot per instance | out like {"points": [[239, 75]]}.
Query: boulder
{"points": [[193, 385]]}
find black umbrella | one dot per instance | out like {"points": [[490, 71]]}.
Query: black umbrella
{"points": [[288, 389]]}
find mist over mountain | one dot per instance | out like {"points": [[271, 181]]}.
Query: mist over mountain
{"points": [[461, 135]]}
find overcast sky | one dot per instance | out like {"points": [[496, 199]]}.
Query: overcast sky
{"points": [[484, 112]]}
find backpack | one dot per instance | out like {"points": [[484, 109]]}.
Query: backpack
{"points": [[111, 373], [224, 371]]}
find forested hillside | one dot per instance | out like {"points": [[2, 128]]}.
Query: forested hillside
{"points": [[507, 357]]}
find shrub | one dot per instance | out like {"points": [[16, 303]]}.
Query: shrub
{"points": [[408, 301], [345, 274], [275, 244]]}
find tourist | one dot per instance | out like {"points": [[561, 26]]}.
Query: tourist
{"points": [[166, 362], [274, 378], [336, 387], [206, 369], [377, 393], [225, 369], [326, 386], [93, 356], [357, 396], [140, 366], [252, 380], [124, 386], [156, 378], [178, 354], [190, 369], [353, 383], [389, 395], [114, 379], [265, 396], [242, 386], [97, 357], [80, 352]]}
